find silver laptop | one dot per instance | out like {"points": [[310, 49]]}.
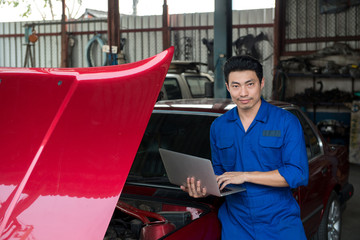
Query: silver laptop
{"points": [[180, 166]]}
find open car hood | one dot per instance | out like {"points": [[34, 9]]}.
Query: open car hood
{"points": [[68, 138]]}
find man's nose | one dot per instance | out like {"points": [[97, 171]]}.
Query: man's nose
{"points": [[243, 92]]}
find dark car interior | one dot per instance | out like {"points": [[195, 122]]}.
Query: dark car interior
{"points": [[176, 132]]}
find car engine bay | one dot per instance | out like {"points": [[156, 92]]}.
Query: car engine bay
{"points": [[149, 218]]}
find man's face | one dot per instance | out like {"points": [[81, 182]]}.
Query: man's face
{"points": [[245, 89]]}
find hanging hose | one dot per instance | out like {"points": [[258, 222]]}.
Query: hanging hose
{"points": [[96, 38]]}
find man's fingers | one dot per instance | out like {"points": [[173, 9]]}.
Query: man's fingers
{"points": [[194, 188], [190, 188], [223, 185], [203, 191], [230, 178], [198, 187], [184, 188], [221, 180], [224, 180]]}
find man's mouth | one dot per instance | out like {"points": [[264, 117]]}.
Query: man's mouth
{"points": [[244, 101]]}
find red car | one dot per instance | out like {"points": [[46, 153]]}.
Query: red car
{"points": [[68, 140], [184, 126]]}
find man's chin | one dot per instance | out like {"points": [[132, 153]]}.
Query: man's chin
{"points": [[244, 106]]}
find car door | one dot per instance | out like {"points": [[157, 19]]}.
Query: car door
{"points": [[311, 197]]}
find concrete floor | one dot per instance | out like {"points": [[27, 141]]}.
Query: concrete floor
{"points": [[351, 215]]}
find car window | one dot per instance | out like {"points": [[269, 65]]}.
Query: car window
{"points": [[197, 85], [177, 132], [172, 88], [311, 140]]}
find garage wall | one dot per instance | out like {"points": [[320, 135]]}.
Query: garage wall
{"points": [[142, 37], [142, 34], [320, 59], [307, 29], [321, 50]]}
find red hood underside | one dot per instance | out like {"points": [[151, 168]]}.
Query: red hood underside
{"points": [[68, 138]]}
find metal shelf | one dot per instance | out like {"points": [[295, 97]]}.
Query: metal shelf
{"points": [[315, 76]]}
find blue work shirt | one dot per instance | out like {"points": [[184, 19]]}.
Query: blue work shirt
{"points": [[274, 140]]}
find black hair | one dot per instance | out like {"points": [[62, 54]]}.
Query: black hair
{"points": [[242, 63]]}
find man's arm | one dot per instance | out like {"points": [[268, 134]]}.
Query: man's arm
{"points": [[271, 178], [295, 169]]}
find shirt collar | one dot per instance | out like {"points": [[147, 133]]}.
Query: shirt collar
{"points": [[263, 113], [261, 116], [233, 114]]}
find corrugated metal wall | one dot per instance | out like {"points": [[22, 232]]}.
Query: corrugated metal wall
{"points": [[85, 43], [143, 36], [143, 39], [142, 33], [306, 31], [12, 51]]}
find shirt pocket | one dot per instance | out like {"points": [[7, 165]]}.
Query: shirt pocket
{"points": [[227, 153], [271, 151]]}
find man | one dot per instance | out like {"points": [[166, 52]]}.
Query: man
{"points": [[261, 147]]}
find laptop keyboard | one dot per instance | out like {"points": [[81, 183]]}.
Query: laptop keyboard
{"points": [[225, 190]]}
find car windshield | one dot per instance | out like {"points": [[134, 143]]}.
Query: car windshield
{"points": [[197, 85], [177, 132]]}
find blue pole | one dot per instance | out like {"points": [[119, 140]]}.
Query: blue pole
{"points": [[222, 43]]}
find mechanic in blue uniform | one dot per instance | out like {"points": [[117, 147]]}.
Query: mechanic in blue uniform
{"points": [[261, 147]]}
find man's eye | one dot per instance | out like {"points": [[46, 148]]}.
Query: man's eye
{"points": [[250, 84]]}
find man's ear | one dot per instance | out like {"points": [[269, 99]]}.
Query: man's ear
{"points": [[262, 83], [227, 86]]}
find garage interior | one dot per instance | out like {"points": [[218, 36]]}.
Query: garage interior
{"points": [[314, 63]]}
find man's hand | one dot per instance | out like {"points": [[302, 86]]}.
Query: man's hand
{"points": [[271, 178], [231, 178], [194, 189]]}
